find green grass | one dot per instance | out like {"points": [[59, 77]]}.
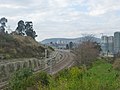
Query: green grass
{"points": [[100, 77], [103, 75]]}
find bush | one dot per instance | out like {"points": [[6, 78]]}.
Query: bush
{"points": [[40, 77], [24, 78], [116, 64], [19, 79]]}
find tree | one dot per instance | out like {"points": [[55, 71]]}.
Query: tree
{"points": [[87, 51], [29, 30], [3, 22], [25, 28], [21, 28]]}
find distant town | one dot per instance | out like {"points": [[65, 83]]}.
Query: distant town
{"points": [[110, 45]]}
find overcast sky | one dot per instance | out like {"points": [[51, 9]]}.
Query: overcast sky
{"points": [[64, 18]]}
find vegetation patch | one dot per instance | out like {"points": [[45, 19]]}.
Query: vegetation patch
{"points": [[101, 76]]}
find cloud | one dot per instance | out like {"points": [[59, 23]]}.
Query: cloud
{"points": [[64, 18], [3, 6], [99, 7]]}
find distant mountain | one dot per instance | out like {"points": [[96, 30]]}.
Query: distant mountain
{"points": [[66, 40]]}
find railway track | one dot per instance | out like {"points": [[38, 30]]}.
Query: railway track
{"points": [[66, 62]]}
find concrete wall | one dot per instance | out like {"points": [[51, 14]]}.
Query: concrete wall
{"points": [[7, 68]]}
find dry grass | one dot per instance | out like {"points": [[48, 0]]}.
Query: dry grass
{"points": [[16, 46]]}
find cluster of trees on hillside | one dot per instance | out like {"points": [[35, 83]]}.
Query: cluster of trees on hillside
{"points": [[23, 28]]}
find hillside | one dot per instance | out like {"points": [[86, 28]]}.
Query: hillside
{"points": [[65, 40], [16, 46]]}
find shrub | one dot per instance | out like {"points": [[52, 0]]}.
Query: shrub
{"points": [[19, 79], [116, 64], [40, 77]]}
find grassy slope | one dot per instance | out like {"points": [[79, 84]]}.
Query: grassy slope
{"points": [[16, 46], [100, 77]]}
